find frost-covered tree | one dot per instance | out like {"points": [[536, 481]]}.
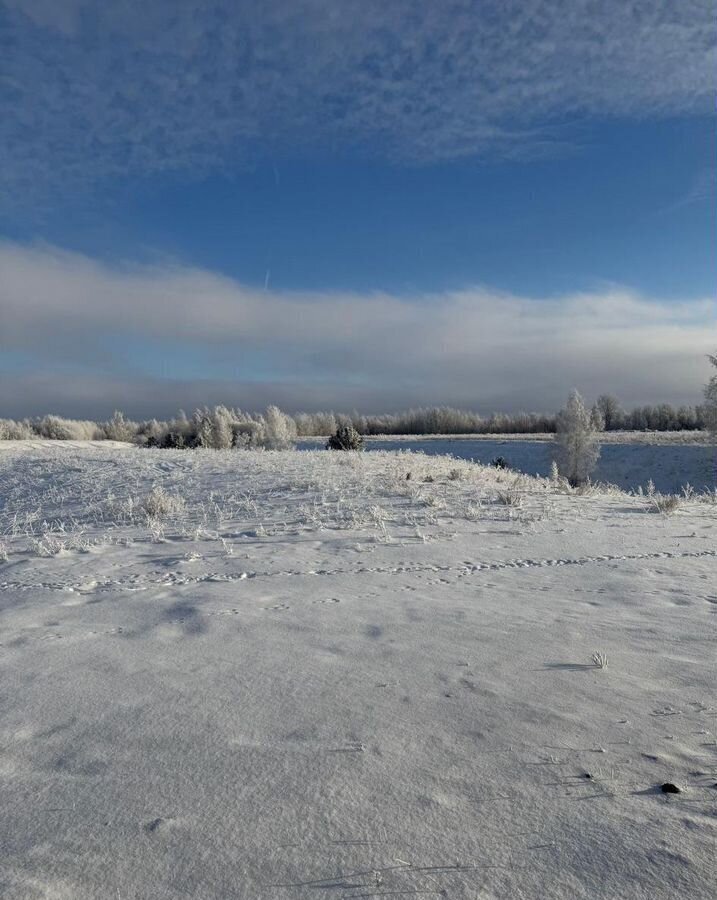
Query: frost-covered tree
{"points": [[203, 428], [597, 418], [710, 406], [120, 429], [611, 410], [222, 421], [576, 447], [279, 430]]}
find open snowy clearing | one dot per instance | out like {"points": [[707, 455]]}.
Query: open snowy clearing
{"points": [[305, 675]]}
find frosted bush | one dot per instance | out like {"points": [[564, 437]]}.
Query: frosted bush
{"points": [[222, 426], [345, 438], [158, 504], [279, 430], [15, 431], [120, 429], [58, 429], [667, 504], [248, 435], [510, 497]]}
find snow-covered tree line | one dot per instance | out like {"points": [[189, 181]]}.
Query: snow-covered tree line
{"points": [[223, 427], [219, 428]]}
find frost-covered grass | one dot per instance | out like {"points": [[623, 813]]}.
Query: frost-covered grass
{"points": [[289, 675], [628, 465]]}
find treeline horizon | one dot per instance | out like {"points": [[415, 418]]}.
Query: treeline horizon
{"points": [[240, 428]]}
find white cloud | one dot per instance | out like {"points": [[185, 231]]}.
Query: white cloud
{"points": [[98, 89], [477, 348]]}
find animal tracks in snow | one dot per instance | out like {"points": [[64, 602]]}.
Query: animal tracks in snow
{"points": [[138, 582]]}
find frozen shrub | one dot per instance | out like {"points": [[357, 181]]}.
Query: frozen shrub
{"points": [[345, 438], [58, 429], [576, 448], [222, 427], [120, 429], [279, 430], [214, 428], [15, 431], [158, 504], [149, 434], [203, 429], [511, 496], [667, 504], [248, 435]]}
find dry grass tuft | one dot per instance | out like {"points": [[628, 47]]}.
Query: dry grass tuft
{"points": [[159, 505], [667, 504]]}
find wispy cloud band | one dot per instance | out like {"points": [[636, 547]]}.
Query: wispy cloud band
{"points": [[74, 328]]}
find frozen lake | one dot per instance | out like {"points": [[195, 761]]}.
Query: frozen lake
{"points": [[626, 465]]}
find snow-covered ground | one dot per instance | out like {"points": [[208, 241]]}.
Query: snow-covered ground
{"points": [[627, 464], [305, 675]]}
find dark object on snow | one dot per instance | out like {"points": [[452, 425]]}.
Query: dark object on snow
{"points": [[346, 438], [669, 788], [500, 462], [587, 775], [408, 476]]}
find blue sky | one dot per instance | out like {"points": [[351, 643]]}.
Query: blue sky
{"points": [[354, 204]]}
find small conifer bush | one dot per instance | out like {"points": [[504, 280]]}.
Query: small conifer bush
{"points": [[345, 438]]}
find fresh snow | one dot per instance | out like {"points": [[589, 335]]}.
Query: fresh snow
{"points": [[302, 675], [626, 464]]}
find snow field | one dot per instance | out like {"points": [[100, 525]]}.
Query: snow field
{"points": [[295, 675]]}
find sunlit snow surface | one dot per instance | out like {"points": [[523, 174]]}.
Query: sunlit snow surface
{"points": [[628, 460], [316, 678]]}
